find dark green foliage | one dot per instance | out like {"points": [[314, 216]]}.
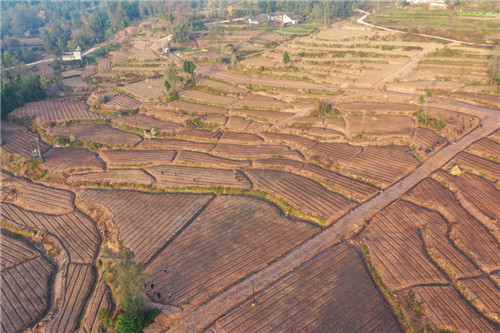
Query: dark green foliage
{"points": [[126, 279], [189, 67], [18, 90], [326, 110], [182, 32], [128, 323], [286, 58]]}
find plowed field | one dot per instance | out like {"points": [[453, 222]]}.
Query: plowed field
{"points": [[301, 192], [333, 292], [26, 279], [155, 217], [114, 176], [478, 164], [147, 122], [64, 159], [17, 140], [184, 176], [58, 111], [116, 158], [99, 133], [194, 158], [262, 151], [176, 144], [231, 238]]}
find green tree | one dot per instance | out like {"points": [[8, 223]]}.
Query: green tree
{"points": [[128, 323], [286, 58], [234, 60], [189, 67], [126, 279], [167, 85]]}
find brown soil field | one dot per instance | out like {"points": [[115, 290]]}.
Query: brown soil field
{"points": [[333, 292], [495, 136], [287, 138], [199, 134], [99, 133], [258, 151], [240, 138], [237, 123], [477, 164], [75, 82], [446, 309], [117, 158], [384, 165], [104, 65], [122, 102], [101, 299], [89, 71], [26, 281], [301, 192], [118, 57], [66, 159], [36, 197], [380, 125], [153, 217], [207, 97], [176, 144], [495, 100], [232, 237], [147, 54], [335, 153], [75, 231], [479, 246], [360, 191], [425, 138], [322, 132], [78, 285], [486, 148], [160, 111], [147, 89], [16, 140], [114, 176], [216, 120], [261, 114], [486, 294], [197, 159], [48, 111], [278, 164], [220, 85], [184, 176], [146, 122], [396, 249], [377, 107], [256, 101], [198, 108], [477, 193], [258, 127]]}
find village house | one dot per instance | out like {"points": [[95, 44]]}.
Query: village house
{"points": [[72, 59]]}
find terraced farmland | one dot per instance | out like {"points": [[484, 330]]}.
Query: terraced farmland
{"points": [[76, 232], [16, 140], [301, 192], [57, 111], [260, 151], [114, 176], [478, 164], [184, 176], [117, 158], [176, 144], [194, 158], [156, 217], [99, 133], [122, 102], [396, 249], [486, 148], [384, 165], [479, 245], [331, 292], [380, 125], [101, 299], [66, 159], [147, 122], [27, 277], [445, 309], [36, 197], [232, 237], [78, 285]]}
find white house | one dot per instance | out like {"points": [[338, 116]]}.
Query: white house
{"points": [[75, 55]]}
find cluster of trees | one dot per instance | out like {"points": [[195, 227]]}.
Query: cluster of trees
{"points": [[172, 79], [20, 89], [127, 280]]}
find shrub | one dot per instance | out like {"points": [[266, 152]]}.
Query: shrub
{"points": [[128, 323]]}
